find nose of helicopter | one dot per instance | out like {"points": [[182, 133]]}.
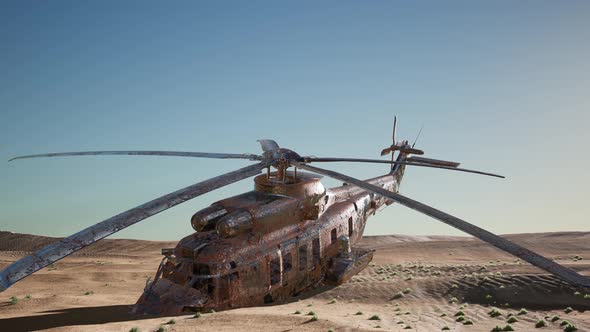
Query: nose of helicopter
{"points": [[162, 297]]}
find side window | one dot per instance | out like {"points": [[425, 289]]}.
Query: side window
{"points": [[223, 287], [302, 257], [350, 227], [275, 271], [315, 250], [333, 236], [287, 262], [250, 277]]}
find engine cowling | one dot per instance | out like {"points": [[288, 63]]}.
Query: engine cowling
{"points": [[206, 219]]}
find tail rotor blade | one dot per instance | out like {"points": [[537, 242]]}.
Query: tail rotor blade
{"points": [[394, 129], [145, 153], [418, 136], [58, 250], [495, 240]]}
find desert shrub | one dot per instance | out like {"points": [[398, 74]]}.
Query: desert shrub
{"points": [[568, 310], [88, 293], [468, 322], [445, 328], [554, 318], [570, 328], [170, 322], [497, 329], [309, 305], [508, 328], [197, 315], [564, 323], [453, 300], [540, 323], [297, 312], [332, 302], [28, 296], [161, 329], [134, 329], [358, 313], [330, 330], [512, 320], [494, 313], [407, 291], [13, 300], [408, 327], [398, 295], [460, 319], [443, 315], [459, 313], [311, 313], [523, 311], [375, 317], [314, 318]]}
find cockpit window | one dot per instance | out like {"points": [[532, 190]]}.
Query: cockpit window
{"points": [[201, 269]]}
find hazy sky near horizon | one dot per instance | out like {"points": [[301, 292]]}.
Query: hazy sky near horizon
{"points": [[502, 86]]}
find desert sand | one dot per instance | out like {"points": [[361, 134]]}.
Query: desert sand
{"points": [[94, 289]]}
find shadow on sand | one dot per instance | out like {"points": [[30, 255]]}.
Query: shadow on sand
{"points": [[71, 317], [100, 315]]}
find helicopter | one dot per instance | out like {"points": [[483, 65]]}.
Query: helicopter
{"points": [[286, 237]]}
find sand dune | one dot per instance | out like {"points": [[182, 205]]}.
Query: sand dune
{"points": [[94, 289]]}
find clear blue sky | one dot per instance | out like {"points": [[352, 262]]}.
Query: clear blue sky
{"points": [[502, 86]]}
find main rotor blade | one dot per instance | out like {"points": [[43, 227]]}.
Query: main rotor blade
{"points": [[73, 243], [495, 240], [433, 161], [379, 161], [268, 145], [146, 153]]}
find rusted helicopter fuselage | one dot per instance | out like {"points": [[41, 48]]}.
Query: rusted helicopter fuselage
{"points": [[287, 236]]}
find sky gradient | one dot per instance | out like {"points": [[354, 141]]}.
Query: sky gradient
{"points": [[500, 86]]}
